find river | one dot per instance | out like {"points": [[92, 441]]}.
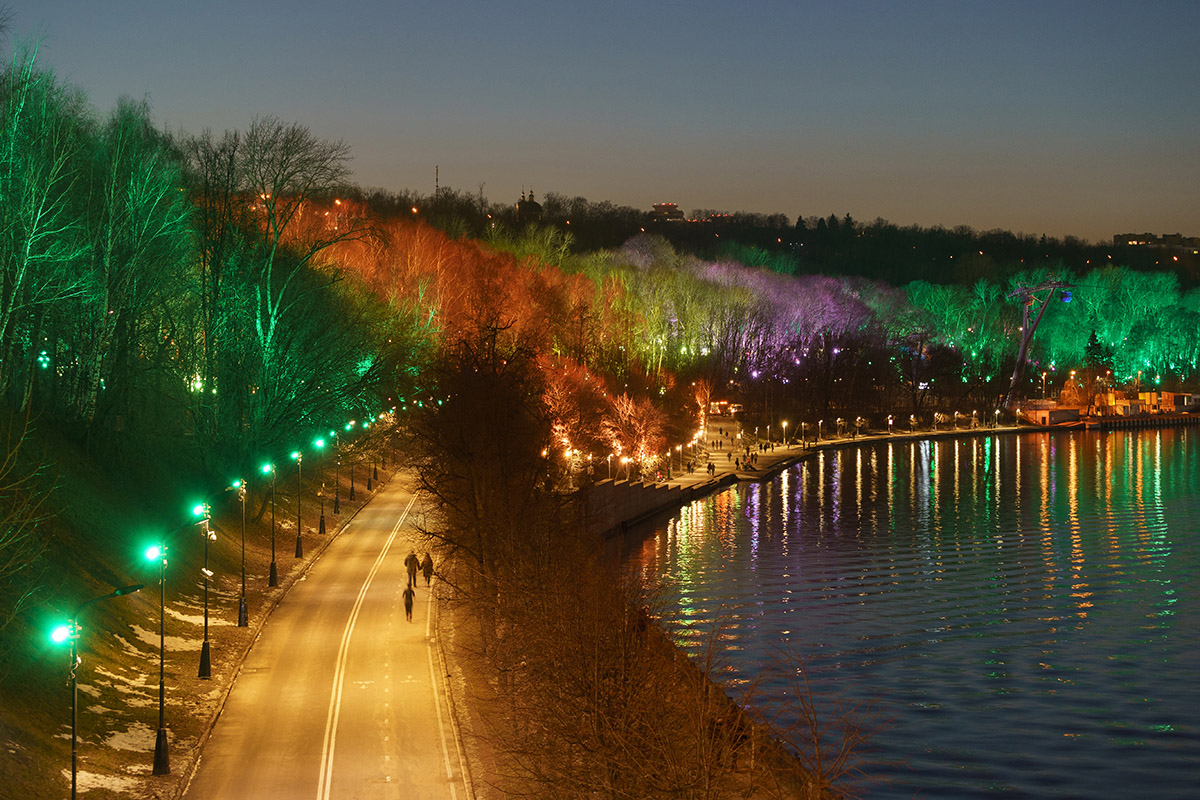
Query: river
{"points": [[1022, 607]]}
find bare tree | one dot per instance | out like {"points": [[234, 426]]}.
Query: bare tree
{"points": [[42, 232], [21, 542]]}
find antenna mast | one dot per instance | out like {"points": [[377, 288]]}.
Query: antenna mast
{"points": [[1029, 296]]}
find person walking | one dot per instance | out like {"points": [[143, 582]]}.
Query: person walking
{"points": [[427, 567], [412, 563], [408, 602]]}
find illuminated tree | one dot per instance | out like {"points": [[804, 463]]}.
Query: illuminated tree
{"points": [[43, 240]]}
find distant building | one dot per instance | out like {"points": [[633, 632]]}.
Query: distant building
{"points": [[528, 211], [1175, 241], [666, 212]]}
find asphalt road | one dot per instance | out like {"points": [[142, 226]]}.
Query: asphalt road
{"points": [[339, 698]]}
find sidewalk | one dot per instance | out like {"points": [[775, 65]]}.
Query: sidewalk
{"points": [[727, 456]]}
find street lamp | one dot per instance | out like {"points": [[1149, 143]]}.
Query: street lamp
{"points": [[201, 510], [162, 764], [320, 445], [1043, 385], [820, 423], [273, 576], [72, 631], [298, 457], [785, 433], [367, 424], [609, 459], [243, 616], [891, 419]]}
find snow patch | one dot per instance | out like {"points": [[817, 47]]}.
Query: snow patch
{"points": [[173, 643], [137, 697], [87, 781], [138, 737], [196, 619]]}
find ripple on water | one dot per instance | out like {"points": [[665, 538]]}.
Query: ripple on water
{"points": [[1035, 643]]}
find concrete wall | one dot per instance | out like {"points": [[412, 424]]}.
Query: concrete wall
{"points": [[611, 506]]}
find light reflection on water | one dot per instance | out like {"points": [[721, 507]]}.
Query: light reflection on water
{"points": [[1026, 606]]}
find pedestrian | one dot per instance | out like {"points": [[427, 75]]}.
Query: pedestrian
{"points": [[408, 601], [737, 463], [427, 567], [412, 564]]}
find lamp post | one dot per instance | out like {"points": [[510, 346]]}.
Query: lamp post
{"points": [[337, 471], [162, 763], [320, 445], [785, 433], [298, 457], [243, 615], [72, 631], [820, 423], [609, 459], [891, 419], [201, 510], [273, 575], [1043, 385], [366, 425]]}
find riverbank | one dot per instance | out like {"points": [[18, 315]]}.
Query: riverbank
{"points": [[616, 506]]}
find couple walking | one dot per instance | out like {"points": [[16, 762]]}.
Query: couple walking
{"points": [[412, 564]]}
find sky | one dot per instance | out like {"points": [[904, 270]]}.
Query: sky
{"points": [[1057, 118]]}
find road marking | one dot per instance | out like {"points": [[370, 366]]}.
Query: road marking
{"points": [[433, 679], [325, 783]]}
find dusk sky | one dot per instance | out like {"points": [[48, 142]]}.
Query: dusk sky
{"points": [[1060, 118]]}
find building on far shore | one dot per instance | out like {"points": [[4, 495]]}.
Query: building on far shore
{"points": [[1169, 241], [666, 212], [529, 211]]}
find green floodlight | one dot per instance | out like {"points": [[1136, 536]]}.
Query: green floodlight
{"points": [[154, 552], [199, 510], [236, 484], [61, 633], [267, 469], [319, 444], [332, 433], [295, 455]]}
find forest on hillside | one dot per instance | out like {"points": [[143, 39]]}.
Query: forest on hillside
{"points": [[222, 296]]}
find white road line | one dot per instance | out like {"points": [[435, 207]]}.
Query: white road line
{"points": [[433, 679], [325, 783]]}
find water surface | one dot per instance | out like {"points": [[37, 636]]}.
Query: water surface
{"points": [[1024, 606]]}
